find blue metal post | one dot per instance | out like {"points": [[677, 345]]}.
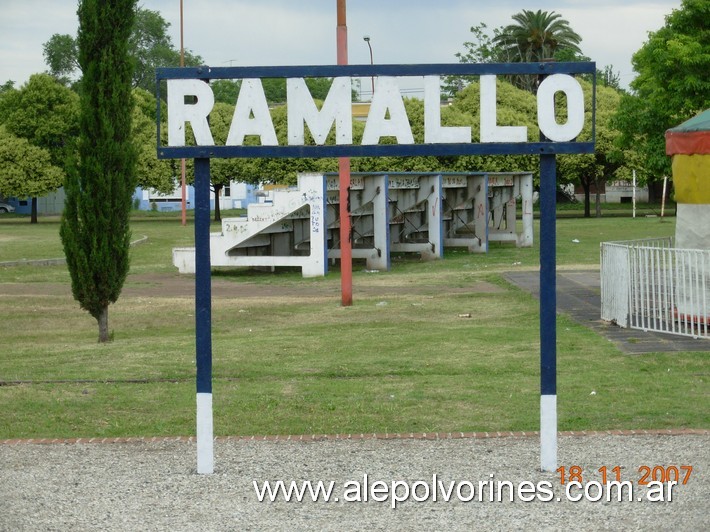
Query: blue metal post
{"points": [[203, 282], [203, 317], [548, 313]]}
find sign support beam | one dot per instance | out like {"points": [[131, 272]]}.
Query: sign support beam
{"points": [[560, 140], [203, 318], [548, 313]]}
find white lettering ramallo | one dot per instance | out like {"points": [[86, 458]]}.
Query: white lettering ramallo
{"points": [[387, 116]]}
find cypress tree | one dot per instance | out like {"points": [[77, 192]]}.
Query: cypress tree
{"points": [[95, 225]]}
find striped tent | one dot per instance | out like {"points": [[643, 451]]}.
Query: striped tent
{"points": [[689, 145]]}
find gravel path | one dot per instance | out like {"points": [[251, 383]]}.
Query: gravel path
{"points": [[153, 486]]}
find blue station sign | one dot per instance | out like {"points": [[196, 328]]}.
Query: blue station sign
{"points": [[190, 101]]}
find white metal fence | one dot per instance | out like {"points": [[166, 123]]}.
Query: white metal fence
{"points": [[650, 285]]}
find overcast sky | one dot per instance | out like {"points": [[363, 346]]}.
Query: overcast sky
{"points": [[290, 32]]}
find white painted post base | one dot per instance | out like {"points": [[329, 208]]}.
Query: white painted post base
{"points": [[548, 433], [205, 438]]}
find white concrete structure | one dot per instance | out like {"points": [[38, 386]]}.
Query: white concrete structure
{"points": [[415, 220], [504, 190], [288, 232], [621, 191], [390, 212], [369, 214]]}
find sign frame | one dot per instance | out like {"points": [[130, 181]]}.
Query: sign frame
{"points": [[545, 149]]}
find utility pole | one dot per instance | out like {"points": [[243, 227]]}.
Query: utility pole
{"points": [[346, 254]]}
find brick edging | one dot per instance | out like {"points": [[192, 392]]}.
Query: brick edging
{"points": [[361, 436]]}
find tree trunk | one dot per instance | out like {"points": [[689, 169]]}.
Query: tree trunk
{"points": [[33, 215], [598, 186], [585, 186], [598, 203], [217, 194], [103, 326], [651, 192]]}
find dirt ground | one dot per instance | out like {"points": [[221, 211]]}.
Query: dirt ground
{"points": [[177, 285]]}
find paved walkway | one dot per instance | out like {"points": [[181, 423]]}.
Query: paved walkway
{"points": [[579, 296]]}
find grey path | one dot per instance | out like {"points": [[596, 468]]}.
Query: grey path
{"points": [[579, 296], [153, 486]]}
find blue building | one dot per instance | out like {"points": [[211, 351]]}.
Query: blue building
{"points": [[233, 196]]}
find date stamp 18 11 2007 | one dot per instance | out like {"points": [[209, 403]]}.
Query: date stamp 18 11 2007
{"points": [[680, 474]]}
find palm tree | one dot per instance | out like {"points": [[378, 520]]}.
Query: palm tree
{"points": [[537, 36]]}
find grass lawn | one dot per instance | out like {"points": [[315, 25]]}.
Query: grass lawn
{"points": [[296, 362]]}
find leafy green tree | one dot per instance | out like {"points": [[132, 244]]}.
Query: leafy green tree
{"points": [[275, 170], [594, 170], [483, 49], [480, 50], [95, 225], [222, 171], [26, 170], [319, 88], [61, 56], [158, 174], [609, 78], [45, 113], [225, 90], [150, 47], [7, 86], [672, 84], [415, 114], [515, 107]]}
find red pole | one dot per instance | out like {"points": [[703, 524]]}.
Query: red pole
{"points": [[346, 254]]}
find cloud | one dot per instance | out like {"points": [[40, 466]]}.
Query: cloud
{"points": [[284, 32], [25, 26], [613, 39]]}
